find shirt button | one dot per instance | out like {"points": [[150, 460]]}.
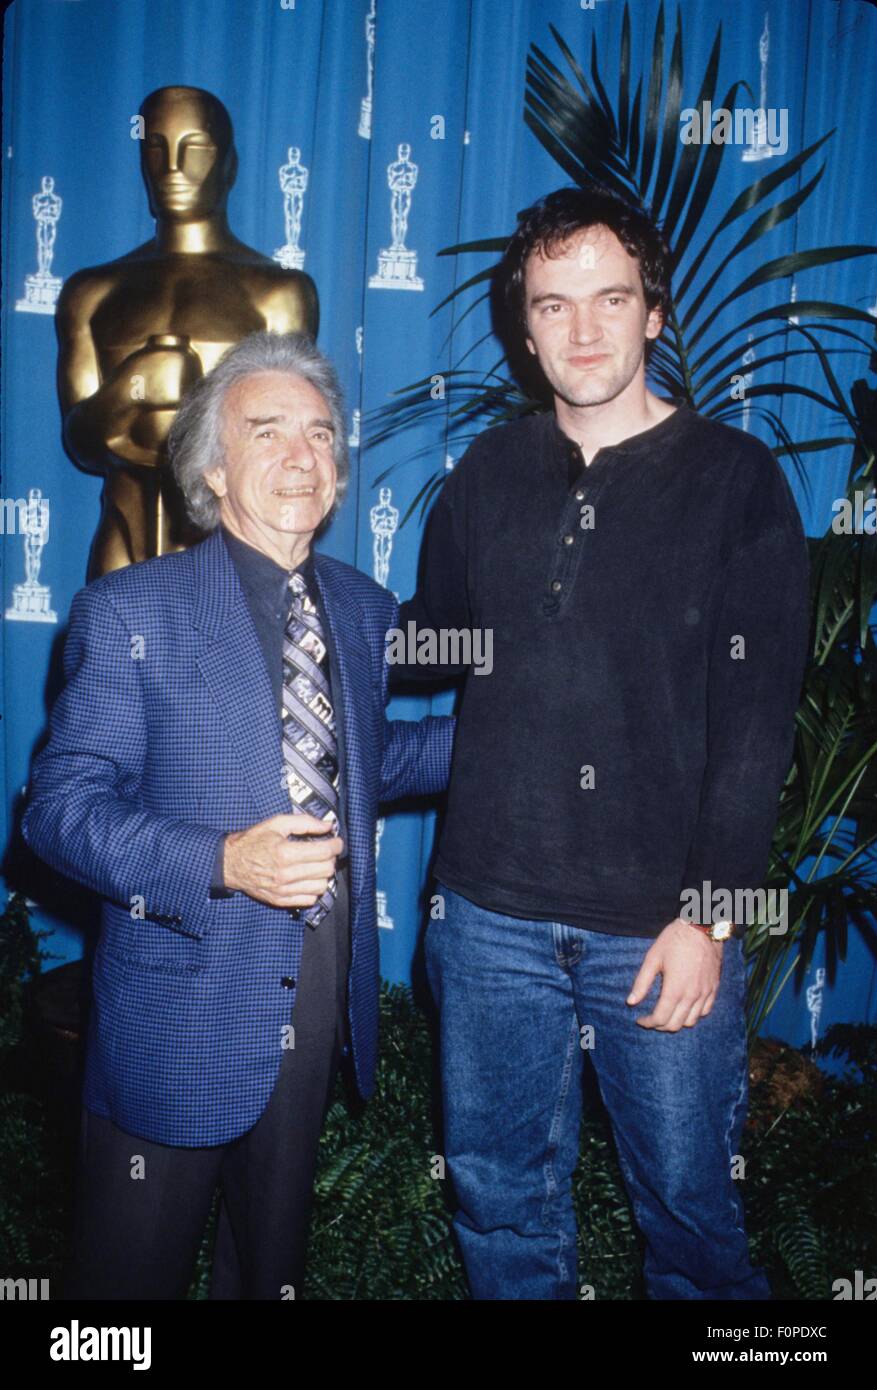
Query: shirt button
{"points": [[557, 586], [568, 540], [580, 496], [287, 981]]}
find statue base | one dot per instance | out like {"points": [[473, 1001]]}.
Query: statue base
{"points": [[397, 270], [753, 153], [40, 294], [290, 257], [383, 920], [30, 604]]}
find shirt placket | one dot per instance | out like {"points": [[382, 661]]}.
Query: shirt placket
{"points": [[570, 537]]}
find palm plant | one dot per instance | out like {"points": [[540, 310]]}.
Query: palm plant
{"points": [[827, 823], [821, 845]]}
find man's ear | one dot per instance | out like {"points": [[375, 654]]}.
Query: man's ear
{"points": [[654, 323], [215, 480], [531, 346]]}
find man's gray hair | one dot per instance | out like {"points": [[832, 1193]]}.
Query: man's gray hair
{"points": [[195, 438]]}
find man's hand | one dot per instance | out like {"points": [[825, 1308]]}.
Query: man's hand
{"points": [[266, 865], [690, 964]]}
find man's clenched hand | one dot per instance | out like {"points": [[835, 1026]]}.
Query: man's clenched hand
{"points": [[268, 866]]}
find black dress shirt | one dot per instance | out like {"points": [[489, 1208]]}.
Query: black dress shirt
{"points": [[625, 746]]}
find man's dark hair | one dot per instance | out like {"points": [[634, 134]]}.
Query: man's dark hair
{"points": [[558, 216]]}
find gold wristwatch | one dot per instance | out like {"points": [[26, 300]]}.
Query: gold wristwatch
{"points": [[716, 931]]}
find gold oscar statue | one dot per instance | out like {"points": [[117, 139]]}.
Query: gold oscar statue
{"points": [[135, 333]]}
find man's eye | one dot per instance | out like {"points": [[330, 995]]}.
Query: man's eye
{"points": [[616, 299], [323, 436], [265, 434]]}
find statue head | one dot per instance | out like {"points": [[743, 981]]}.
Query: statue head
{"points": [[188, 157]]}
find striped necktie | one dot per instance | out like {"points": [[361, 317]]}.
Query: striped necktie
{"points": [[310, 745]]}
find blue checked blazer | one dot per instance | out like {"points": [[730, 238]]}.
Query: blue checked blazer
{"points": [[163, 738]]}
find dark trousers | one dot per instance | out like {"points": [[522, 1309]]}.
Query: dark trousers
{"points": [[139, 1238]]}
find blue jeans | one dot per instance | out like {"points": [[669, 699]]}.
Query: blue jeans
{"points": [[518, 1000]]}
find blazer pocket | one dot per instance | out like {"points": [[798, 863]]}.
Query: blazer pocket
{"points": [[158, 965]]}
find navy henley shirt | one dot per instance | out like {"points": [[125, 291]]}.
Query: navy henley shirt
{"points": [[650, 619]]}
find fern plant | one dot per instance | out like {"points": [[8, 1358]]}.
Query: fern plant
{"points": [[381, 1226], [823, 845]]}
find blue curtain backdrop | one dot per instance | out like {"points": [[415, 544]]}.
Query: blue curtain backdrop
{"points": [[295, 73]]}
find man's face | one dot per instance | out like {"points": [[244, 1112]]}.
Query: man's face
{"points": [[279, 475], [587, 320], [183, 163]]}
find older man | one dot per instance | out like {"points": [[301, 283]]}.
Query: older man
{"points": [[213, 771]]}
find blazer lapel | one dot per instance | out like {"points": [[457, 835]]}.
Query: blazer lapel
{"points": [[345, 620], [231, 661]]}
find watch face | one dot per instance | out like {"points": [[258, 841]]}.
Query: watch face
{"points": [[722, 930]]}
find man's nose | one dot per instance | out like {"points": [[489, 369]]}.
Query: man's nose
{"points": [[299, 453], [584, 326]]}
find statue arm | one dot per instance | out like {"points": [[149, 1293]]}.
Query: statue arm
{"points": [[103, 424], [98, 414], [79, 381]]}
